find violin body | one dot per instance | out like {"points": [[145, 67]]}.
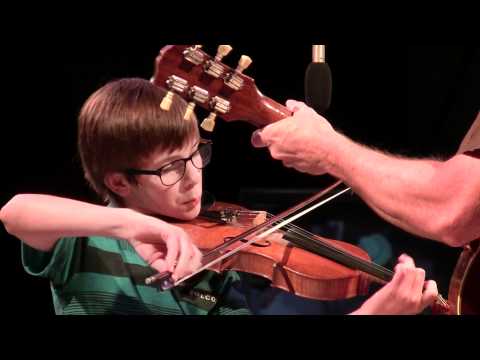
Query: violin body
{"points": [[287, 267]]}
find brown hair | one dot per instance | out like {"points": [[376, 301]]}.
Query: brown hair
{"points": [[121, 123]]}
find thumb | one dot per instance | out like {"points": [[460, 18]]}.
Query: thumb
{"points": [[160, 266], [294, 105], [258, 140]]}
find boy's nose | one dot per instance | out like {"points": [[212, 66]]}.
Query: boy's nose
{"points": [[192, 175]]}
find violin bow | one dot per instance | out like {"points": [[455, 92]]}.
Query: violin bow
{"points": [[255, 234]]}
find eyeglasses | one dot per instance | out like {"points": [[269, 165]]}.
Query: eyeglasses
{"points": [[173, 172]]}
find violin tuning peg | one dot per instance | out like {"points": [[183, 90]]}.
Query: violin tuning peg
{"points": [[189, 111], [223, 50], [167, 101], [209, 123], [244, 63]]}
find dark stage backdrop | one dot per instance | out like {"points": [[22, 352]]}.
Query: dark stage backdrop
{"points": [[414, 100]]}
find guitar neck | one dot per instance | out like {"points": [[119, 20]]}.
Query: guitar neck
{"points": [[263, 112]]}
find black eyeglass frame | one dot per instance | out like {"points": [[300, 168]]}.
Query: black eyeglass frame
{"points": [[203, 144]]}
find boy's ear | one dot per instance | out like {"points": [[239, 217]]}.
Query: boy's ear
{"points": [[118, 184]]}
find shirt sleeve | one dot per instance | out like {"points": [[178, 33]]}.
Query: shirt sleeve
{"points": [[474, 153], [54, 265]]}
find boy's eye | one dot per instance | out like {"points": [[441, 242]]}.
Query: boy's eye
{"points": [[173, 166]]}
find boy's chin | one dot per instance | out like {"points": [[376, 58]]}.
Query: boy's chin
{"points": [[190, 214]]}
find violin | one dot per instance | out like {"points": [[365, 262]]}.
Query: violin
{"points": [[299, 262], [306, 265]]}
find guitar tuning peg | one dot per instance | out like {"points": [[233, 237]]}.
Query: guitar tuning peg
{"points": [[194, 55], [234, 79], [223, 50], [189, 111], [167, 101], [244, 63], [174, 84], [209, 123]]}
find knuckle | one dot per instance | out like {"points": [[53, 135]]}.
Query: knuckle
{"points": [[404, 298], [410, 271], [275, 153], [400, 269]]}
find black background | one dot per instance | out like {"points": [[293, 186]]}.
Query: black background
{"points": [[412, 100]]}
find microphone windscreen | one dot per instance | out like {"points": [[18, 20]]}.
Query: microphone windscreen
{"points": [[318, 87]]}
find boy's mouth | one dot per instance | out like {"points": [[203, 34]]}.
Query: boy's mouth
{"points": [[192, 203]]}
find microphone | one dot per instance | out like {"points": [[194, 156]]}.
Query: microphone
{"points": [[318, 81]]}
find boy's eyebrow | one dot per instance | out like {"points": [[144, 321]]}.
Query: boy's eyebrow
{"points": [[173, 157]]}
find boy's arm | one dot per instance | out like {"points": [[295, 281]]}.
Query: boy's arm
{"points": [[41, 220]]}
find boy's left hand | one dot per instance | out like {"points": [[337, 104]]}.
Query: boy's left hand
{"points": [[406, 294]]}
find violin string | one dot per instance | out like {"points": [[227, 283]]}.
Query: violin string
{"points": [[324, 246], [299, 231], [259, 232], [213, 253], [353, 257], [251, 215], [283, 216], [370, 265], [311, 238]]}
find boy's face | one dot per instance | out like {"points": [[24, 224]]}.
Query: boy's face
{"points": [[181, 201]]}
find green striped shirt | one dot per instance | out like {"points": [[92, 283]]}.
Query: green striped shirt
{"points": [[100, 276]]}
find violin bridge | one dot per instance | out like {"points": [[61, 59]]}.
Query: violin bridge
{"points": [[243, 218]]}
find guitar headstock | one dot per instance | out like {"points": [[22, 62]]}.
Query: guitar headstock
{"points": [[203, 80]]}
